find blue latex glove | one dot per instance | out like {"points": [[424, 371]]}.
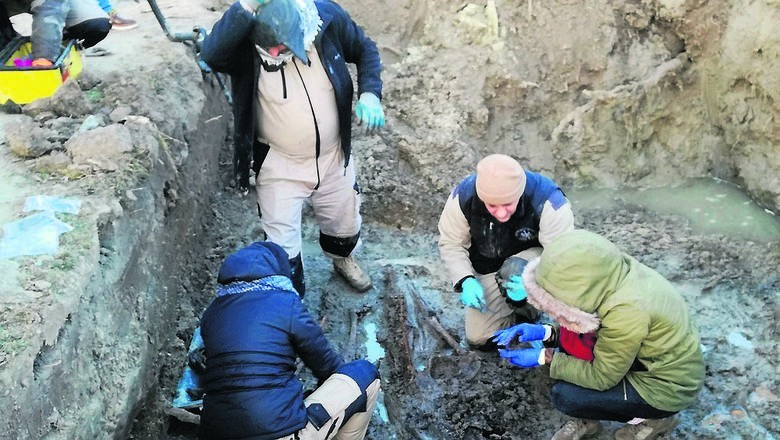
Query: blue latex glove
{"points": [[515, 289], [524, 358], [369, 112], [523, 332], [472, 294]]}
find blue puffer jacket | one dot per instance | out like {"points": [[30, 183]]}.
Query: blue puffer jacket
{"points": [[228, 48], [492, 242], [253, 332]]}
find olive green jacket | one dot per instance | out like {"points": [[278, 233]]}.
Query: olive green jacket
{"points": [[587, 284]]}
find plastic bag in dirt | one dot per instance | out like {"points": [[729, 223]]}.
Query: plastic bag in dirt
{"points": [[37, 234], [51, 203]]}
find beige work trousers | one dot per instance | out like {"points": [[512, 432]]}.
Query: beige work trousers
{"points": [[480, 326], [336, 395], [283, 186]]}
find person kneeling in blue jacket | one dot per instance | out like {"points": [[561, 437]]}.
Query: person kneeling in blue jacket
{"points": [[252, 332]]}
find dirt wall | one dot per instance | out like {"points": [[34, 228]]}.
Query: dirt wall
{"points": [[89, 323], [592, 93]]}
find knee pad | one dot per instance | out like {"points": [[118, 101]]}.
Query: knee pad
{"points": [[485, 346], [363, 373], [338, 246]]}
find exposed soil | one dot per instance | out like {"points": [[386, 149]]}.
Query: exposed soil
{"points": [[434, 391], [602, 93]]}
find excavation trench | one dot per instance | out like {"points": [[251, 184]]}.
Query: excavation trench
{"points": [[106, 343], [93, 338]]}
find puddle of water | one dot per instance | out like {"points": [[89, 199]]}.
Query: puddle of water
{"points": [[711, 206], [373, 349]]}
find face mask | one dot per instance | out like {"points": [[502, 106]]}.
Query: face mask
{"points": [[272, 63]]}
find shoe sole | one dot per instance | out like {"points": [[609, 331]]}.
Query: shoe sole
{"points": [[593, 434], [116, 27]]}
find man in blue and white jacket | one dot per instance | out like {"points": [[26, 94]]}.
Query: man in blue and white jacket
{"points": [[253, 332], [493, 223], [293, 93]]}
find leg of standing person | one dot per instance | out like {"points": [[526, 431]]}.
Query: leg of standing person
{"points": [[336, 206], [280, 199]]}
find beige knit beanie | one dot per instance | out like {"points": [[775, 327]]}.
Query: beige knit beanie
{"points": [[500, 179]]}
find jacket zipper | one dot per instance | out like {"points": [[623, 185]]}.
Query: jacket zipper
{"points": [[625, 396], [316, 126], [284, 84]]}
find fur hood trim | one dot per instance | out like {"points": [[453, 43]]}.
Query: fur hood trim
{"points": [[567, 316]]}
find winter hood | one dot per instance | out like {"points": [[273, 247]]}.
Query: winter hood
{"points": [[574, 276], [258, 260]]}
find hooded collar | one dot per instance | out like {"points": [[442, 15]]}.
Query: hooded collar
{"points": [[567, 316], [269, 283], [258, 260], [576, 275]]}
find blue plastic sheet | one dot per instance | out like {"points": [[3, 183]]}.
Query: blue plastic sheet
{"points": [[189, 379], [38, 234], [50, 203]]}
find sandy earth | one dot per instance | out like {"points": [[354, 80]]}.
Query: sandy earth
{"points": [[527, 98]]}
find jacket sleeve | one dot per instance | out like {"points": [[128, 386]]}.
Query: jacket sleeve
{"points": [[360, 50], [455, 241], [554, 222], [622, 331], [228, 40], [311, 345]]}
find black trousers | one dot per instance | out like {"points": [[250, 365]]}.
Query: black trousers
{"points": [[620, 403]]}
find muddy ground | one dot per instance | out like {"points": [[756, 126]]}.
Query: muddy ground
{"points": [[434, 391], [600, 93], [431, 390]]}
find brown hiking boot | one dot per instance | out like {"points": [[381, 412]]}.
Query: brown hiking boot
{"points": [[351, 271], [647, 430], [576, 429], [121, 23]]}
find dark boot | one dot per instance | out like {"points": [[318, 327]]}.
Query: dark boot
{"points": [[296, 275]]}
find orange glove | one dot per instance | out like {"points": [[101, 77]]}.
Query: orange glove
{"points": [[41, 62]]}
